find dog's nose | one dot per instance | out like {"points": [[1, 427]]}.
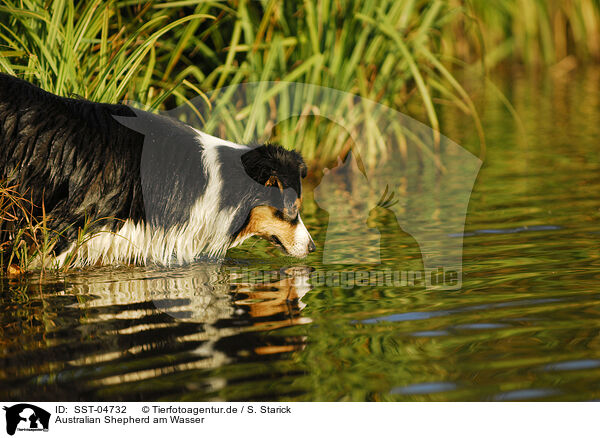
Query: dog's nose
{"points": [[311, 246]]}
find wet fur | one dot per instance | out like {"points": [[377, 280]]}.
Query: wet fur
{"points": [[87, 162]]}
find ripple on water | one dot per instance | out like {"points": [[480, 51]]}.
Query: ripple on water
{"points": [[524, 326]]}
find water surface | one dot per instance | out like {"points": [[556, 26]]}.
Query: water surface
{"points": [[525, 325]]}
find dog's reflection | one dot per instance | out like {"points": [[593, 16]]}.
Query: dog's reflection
{"points": [[204, 294], [278, 303], [106, 327], [225, 312]]}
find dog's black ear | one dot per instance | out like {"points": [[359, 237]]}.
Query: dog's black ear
{"points": [[258, 165], [263, 162], [281, 172]]}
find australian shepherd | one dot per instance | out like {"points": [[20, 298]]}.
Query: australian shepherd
{"points": [[146, 188]]}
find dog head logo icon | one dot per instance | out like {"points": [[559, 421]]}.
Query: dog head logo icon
{"points": [[26, 417]]}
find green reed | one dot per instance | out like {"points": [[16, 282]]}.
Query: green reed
{"points": [[161, 54], [402, 54]]}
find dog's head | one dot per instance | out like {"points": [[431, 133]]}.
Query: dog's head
{"points": [[275, 214]]}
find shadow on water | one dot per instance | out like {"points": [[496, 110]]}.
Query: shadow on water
{"points": [[524, 326]]}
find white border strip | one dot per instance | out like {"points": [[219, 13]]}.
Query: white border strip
{"points": [[315, 419]]}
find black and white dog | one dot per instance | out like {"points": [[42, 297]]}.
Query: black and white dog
{"points": [[150, 188]]}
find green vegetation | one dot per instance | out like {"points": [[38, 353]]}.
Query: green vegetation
{"points": [[162, 53], [18, 227], [403, 54], [26, 241]]}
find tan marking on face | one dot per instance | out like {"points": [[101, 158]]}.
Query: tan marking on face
{"points": [[264, 223]]}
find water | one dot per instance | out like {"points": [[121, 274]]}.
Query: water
{"points": [[524, 326]]}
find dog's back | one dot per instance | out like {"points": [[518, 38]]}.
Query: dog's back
{"points": [[69, 155]]}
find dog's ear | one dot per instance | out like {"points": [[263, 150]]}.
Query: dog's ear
{"points": [[263, 162]]}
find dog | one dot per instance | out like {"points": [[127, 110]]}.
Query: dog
{"points": [[144, 187]]}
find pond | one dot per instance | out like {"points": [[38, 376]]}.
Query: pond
{"points": [[524, 325]]}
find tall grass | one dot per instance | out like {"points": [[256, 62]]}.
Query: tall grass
{"points": [[23, 236], [103, 51], [26, 240], [402, 54], [161, 53]]}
